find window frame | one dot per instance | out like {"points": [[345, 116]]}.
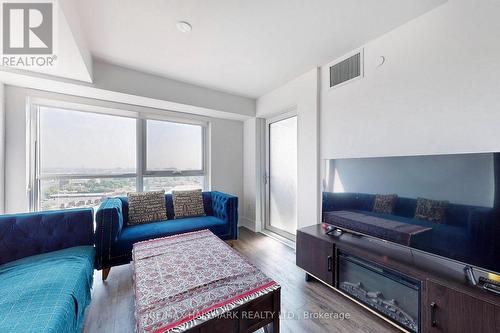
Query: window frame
{"points": [[35, 176], [169, 173]]}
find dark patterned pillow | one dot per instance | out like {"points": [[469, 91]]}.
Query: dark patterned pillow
{"points": [[146, 207], [385, 203], [188, 203], [431, 210]]}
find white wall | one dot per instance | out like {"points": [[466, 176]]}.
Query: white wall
{"points": [[122, 85], [2, 149], [73, 59], [300, 94], [248, 214], [69, 9], [16, 196], [226, 162], [124, 80], [253, 187], [226, 156], [438, 92]]}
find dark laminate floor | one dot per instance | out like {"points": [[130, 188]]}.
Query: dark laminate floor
{"points": [[112, 307]]}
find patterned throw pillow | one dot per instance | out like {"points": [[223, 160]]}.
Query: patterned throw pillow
{"points": [[188, 203], [146, 207], [431, 210], [385, 203]]}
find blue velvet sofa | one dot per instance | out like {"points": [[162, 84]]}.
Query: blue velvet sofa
{"points": [[464, 234], [114, 237], [46, 270]]}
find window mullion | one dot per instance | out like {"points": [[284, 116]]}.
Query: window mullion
{"points": [[206, 158], [140, 153]]}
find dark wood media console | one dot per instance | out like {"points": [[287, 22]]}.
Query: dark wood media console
{"points": [[447, 302]]}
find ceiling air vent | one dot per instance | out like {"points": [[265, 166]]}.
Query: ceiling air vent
{"points": [[346, 70]]}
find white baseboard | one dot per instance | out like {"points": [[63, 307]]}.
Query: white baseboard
{"points": [[247, 223]]}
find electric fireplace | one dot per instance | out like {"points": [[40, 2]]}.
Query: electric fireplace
{"points": [[392, 294]]}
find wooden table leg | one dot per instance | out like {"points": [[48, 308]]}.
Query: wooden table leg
{"points": [[273, 327], [105, 273]]}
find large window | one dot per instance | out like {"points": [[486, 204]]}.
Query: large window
{"points": [[80, 158], [174, 156], [186, 152]]}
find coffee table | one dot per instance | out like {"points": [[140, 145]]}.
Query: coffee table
{"points": [[197, 283]]}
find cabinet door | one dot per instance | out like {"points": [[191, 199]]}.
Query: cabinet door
{"points": [[315, 256], [497, 318], [448, 310]]}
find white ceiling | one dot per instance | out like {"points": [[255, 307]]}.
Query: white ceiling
{"points": [[243, 47], [70, 62]]}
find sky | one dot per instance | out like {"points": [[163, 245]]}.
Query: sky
{"points": [[73, 140]]}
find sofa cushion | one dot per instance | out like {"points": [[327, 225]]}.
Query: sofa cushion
{"points": [[146, 207], [385, 203], [137, 233], [207, 203], [431, 210], [47, 292], [188, 203]]}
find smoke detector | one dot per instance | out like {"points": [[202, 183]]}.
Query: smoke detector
{"points": [[184, 26]]}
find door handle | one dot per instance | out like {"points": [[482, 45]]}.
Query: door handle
{"points": [[330, 263], [433, 314]]}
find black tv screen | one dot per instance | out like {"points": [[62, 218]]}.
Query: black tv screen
{"points": [[447, 205]]}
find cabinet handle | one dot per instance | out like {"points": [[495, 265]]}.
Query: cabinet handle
{"points": [[329, 263], [433, 314]]}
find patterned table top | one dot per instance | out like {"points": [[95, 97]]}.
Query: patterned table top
{"points": [[184, 280]]}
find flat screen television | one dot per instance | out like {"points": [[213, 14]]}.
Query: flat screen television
{"points": [[446, 205]]}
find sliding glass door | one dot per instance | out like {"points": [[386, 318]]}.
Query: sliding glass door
{"points": [[281, 176]]}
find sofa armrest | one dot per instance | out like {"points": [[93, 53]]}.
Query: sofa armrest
{"points": [[225, 207], [109, 223], [24, 235]]}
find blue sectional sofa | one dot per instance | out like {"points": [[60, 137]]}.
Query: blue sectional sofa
{"points": [[114, 237], [463, 235], [46, 270]]}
